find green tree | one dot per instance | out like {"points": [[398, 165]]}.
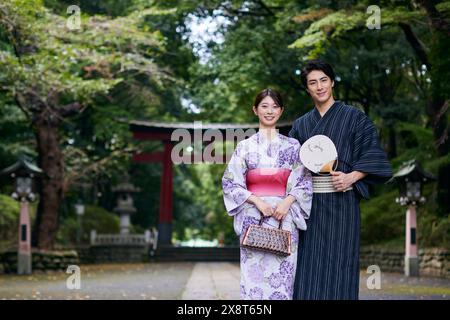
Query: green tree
{"points": [[52, 73], [343, 25]]}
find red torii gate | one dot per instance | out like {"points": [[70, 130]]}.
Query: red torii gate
{"points": [[162, 131]]}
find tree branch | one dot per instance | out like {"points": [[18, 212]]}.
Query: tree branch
{"points": [[20, 103], [435, 18], [253, 13], [70, 109], [415, 43], [93, 167], [14, 35]]}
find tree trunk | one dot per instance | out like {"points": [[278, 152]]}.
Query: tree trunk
{"points": [[436, 19], [392, 143], [437, 108], [51, 191]]}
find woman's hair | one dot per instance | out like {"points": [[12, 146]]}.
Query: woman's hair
{"points": [[316, 65], [275, 95]]}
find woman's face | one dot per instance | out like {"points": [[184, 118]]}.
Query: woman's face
{"points": [[268, 112]]}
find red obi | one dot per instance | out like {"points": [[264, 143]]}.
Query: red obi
{"points": [[267, 181]]}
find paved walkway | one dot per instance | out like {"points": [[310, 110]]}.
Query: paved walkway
{"points": [[186, 280], [213, 280]]}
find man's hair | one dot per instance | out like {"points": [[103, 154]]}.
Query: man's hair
{"points": [[316, 64]]}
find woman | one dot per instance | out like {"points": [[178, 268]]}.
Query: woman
{"points": [[265, 178]]}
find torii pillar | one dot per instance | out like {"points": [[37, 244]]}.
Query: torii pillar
{"points": [[165, 197], [165, 208]]}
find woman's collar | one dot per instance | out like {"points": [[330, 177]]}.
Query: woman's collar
{"points": [[262, 137]]}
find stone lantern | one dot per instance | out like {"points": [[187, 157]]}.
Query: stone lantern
{"points": [[411, 179], [125, 206], [23, 172]]}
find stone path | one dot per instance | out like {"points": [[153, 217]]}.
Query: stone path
{"points": [[213, 280], [186, 280]]}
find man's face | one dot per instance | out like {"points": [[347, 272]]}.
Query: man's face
{"points": [[320, 86]]}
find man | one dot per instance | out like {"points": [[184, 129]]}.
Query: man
{"points": [[328, 252]]}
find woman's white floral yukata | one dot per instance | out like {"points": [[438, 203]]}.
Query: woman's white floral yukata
{"points": [[266, 275]]}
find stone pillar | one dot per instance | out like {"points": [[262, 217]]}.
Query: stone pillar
{"points": [[24, 251], [411, 256]]}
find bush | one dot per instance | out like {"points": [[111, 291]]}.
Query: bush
{"points": [[9, 219], [434, 231], [382, 220], [94, 218]]}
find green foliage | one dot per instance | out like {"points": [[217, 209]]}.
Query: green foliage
{"points": [[206, 216], [112, 65], [132, 60], [111, 8], [381, 219], [390, 84], [335, 25], [16, 138], [415, 143], [99, 219], [9, 219], [189, 207], [94, 218], [435, 231], [148, 179], [246, 62], [79, 64], [47, 65], [440, 61]]}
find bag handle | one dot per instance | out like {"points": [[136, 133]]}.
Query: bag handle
{"points": [[280, 225]]}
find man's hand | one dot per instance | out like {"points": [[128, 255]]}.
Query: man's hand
{"points": [[343, 181]]}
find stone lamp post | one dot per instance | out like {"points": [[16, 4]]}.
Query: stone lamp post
{"points": [[125, 206], [411, 179], [23, 172]]}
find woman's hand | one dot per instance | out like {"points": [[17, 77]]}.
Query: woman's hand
{"points": [[265, 209], [282, 208]]}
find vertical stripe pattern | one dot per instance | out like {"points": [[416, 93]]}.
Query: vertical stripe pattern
{"points": [[328, 251]]}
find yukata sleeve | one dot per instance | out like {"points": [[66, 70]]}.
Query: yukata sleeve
{"points": [[235, 193], [299, 185], [368, 156]]}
